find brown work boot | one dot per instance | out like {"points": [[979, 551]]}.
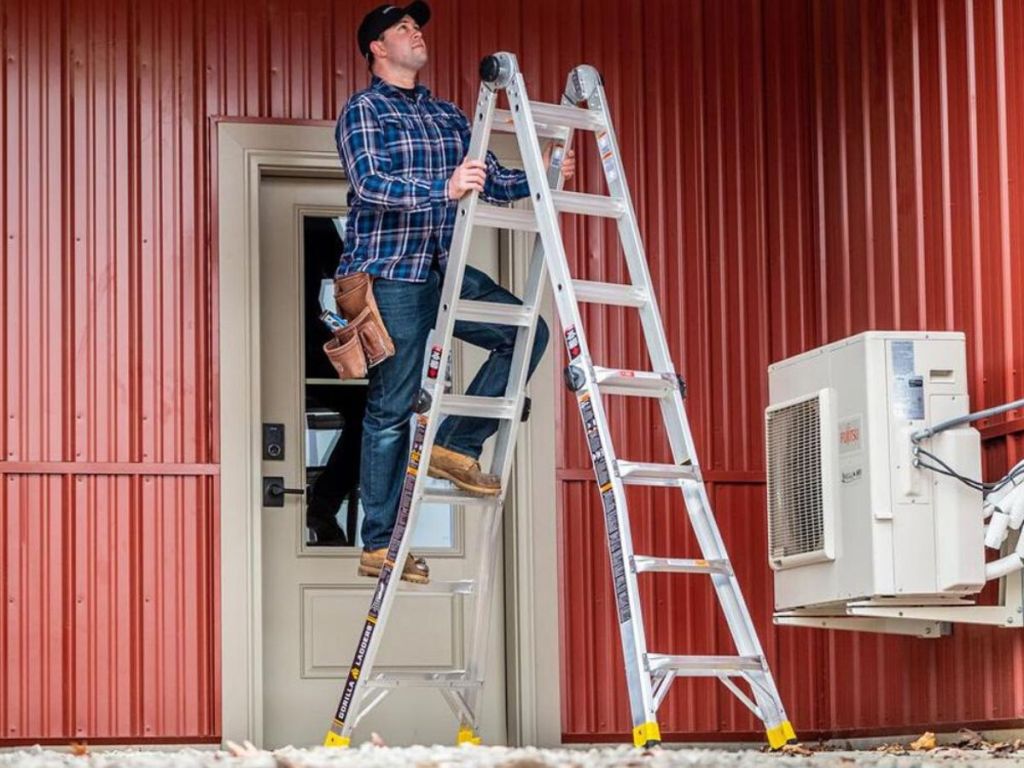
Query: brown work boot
{"points": [[415, 571], [463, 471]]}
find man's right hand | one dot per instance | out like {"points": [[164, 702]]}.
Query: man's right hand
{"points": [[468, 176]]}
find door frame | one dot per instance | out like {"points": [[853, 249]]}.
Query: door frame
{"points": [[245, 151]]}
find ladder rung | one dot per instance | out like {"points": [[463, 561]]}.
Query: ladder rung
{"points": [[457, 496], [480, 407], [619, 294], [639, 473], [588, 205], [488, 215], [645, 564], [503, 123], [463, 587], [493, 312], [552, 116], [637, 383], [424, 679], [703, 666]]}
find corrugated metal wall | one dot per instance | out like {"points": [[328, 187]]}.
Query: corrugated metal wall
{"points": [[916, 209], [802, 171], [808, 171]]}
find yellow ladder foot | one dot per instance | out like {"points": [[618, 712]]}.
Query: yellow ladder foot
{"points": [[334, 740], [781, 734], [647, 735]]}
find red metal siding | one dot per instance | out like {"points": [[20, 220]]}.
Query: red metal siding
{"points": [[819, 170], [802, 171], [916, 225]]}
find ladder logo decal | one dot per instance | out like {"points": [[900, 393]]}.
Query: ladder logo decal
{"points": [[386, 571], [610, 508]]}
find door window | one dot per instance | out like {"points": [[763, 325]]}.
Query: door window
{"points": [[333, 416]]}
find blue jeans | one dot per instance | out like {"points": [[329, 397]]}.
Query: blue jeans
{"points": [[409, 311]]}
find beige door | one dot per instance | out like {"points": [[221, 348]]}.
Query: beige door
{"points": [[313, 603]]}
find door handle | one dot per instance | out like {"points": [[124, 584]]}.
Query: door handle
{"points": [[274, 491]]}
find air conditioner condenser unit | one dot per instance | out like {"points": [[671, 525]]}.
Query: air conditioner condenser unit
{"points": [[854, 524]]}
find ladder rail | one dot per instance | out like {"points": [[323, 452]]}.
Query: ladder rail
{"points": [[505, 440], [673, 414], [613, 496], [680, 437], [413, 482]]}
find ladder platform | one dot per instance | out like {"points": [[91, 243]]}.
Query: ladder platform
{"points": [[552, 116], [479, 407], [452, 679], [461, 587], [493, 312], [457, 496], [588, 205], [646, 564], [498, 217], [613, 381], [703, 666], [618, 294], [640, 473]]}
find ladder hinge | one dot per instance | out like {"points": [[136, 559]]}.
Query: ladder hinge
{"points": [[574, 378], [527, 407], [423, 402], [682, 385]]}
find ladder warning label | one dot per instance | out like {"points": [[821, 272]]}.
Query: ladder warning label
{"points": [[572, 342], [611, 520], [604, 147], [435, 362]]}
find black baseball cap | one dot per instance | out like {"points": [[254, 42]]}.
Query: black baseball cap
{"points": [[384, 17]]}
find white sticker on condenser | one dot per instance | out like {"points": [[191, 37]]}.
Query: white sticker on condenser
{"points": [[908, 397], [902, 358]]}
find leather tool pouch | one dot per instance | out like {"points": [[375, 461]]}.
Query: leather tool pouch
{"points": [[364, 342]]}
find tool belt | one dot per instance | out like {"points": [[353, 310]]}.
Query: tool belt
{"points": [[364, 342]]}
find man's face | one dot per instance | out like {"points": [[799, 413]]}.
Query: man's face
{"points": [[405, 45]]}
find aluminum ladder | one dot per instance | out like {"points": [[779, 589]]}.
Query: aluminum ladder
{"points": [[648, 675]]}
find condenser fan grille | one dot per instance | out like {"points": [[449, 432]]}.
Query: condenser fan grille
{"points": [[796, 524]]}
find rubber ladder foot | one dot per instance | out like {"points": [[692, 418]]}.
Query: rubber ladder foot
{"points": [[781, 735], [332, 739], [647, 735], [467, 736]]}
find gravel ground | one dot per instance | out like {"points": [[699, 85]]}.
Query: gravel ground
{"points": [[501, 757]]}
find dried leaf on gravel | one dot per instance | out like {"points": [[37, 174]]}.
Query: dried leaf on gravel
{"points": [[891, 749], [968, 739], [927, 741], [79, 750], [795, 749]]}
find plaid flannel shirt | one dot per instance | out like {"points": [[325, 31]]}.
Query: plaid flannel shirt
{"points": [[399, 153]]}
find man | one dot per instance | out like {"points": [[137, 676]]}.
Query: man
{"points": [[404, 152]]}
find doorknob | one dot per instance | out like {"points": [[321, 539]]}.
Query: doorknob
{"points": [[274, 491]]}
